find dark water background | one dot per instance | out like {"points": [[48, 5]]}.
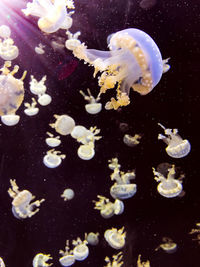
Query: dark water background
{"points": [[174, 25]]}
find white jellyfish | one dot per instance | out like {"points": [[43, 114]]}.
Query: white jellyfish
{"points": [[132, 140], [168, 245], [5, 31], [72, 41], [31, 109], [86, 152], [63, 125], [2, 264], [115, 238], [142, 263], [21, 205], [52, 141], [122, 188], [8, 51], [68, 257], [53, 158], [92, 238], [39, 88], [108, 208], [166, 66], [10, 120], [81, 250], [40, 260], [93, 107], [85, 136], [68, 194], [177, 147], [116, 260], [168, 186], [40, 49], [52, 15]]}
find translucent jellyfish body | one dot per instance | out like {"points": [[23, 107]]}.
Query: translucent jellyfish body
{"points": [[177, 147], [21, 205], [81, 250], [168, 186], [107, 208], [52, 15], [122, 188], [10, 120], [168, 245], [52, 141], [68, 194], [5, 31], [116, 260], [64, 124], [93, 107], [72, 41], [40, 260], [31, 109], [11, 90], [115, 238], [2, 264], [134, 60], [53, 158], [132, 140], [68, 257], [92, 238], [40, 49]]}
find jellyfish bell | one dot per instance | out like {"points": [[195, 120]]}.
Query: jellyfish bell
{"points": [[52, 141], [86, 152], [8, 51], [64, 124], [118, 207], [67, 260], [10, 120], [92, 238], [5, 31], [123, 191], [68, 194], [41, 260], [81, 252], [115, 238], [53, 158], [44, 100]]}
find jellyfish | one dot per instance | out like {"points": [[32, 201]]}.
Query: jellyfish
{"points": [[168, 186], [73, 40], [168, 245], [81, 250], [142, 264], [52, 141], [39, 88], [68, 194], [177, 147], [2, 264], [122, 188], [107, 208], [11, 94], [92, 238], [5, 31], [116, 260], [134, 61], [132, 140], [86, 152], [52, 15], [40, 260], [196, 231], [68, 257], [93, 107], [31, 109], [40, 49], [64, 124], [53, 158], [21, 205], [115, 238]]}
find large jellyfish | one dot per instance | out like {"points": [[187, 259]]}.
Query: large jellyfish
{"points": [[52, 14], [134, 61]]}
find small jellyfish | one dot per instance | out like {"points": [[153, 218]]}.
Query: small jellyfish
{"points": [[8, 51], [115, 238], [93, 107], [52, 15], [21, 205], [63, 125], [5, 31], [196, 231], [107, 208], [168, 186], [72, 41], [81, 250], [85, 136], [40, 260], [10, 120], [134, 61], [68, 257], [116, 260], [11, 90], [52, 141], [86, 152], [132, 140], [177, 147], [92, 238], [166, 66], [53, 158], [122, 188], [31, 109], [142, 263], [2, 264], [68, 194], [40, 49], [168, 245]]}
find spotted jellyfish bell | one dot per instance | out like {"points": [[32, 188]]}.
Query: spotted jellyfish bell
{"points": [[53, 158], [92, 238], [134, 61], [115, 238], [52, 141], [81, 250], [31, 109], [93, 107], [68, 194], [168, 245], [41, 260], [86, 152], [67, 258], [63, 125], [177, 147], [168, 187], [2, 264]]}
